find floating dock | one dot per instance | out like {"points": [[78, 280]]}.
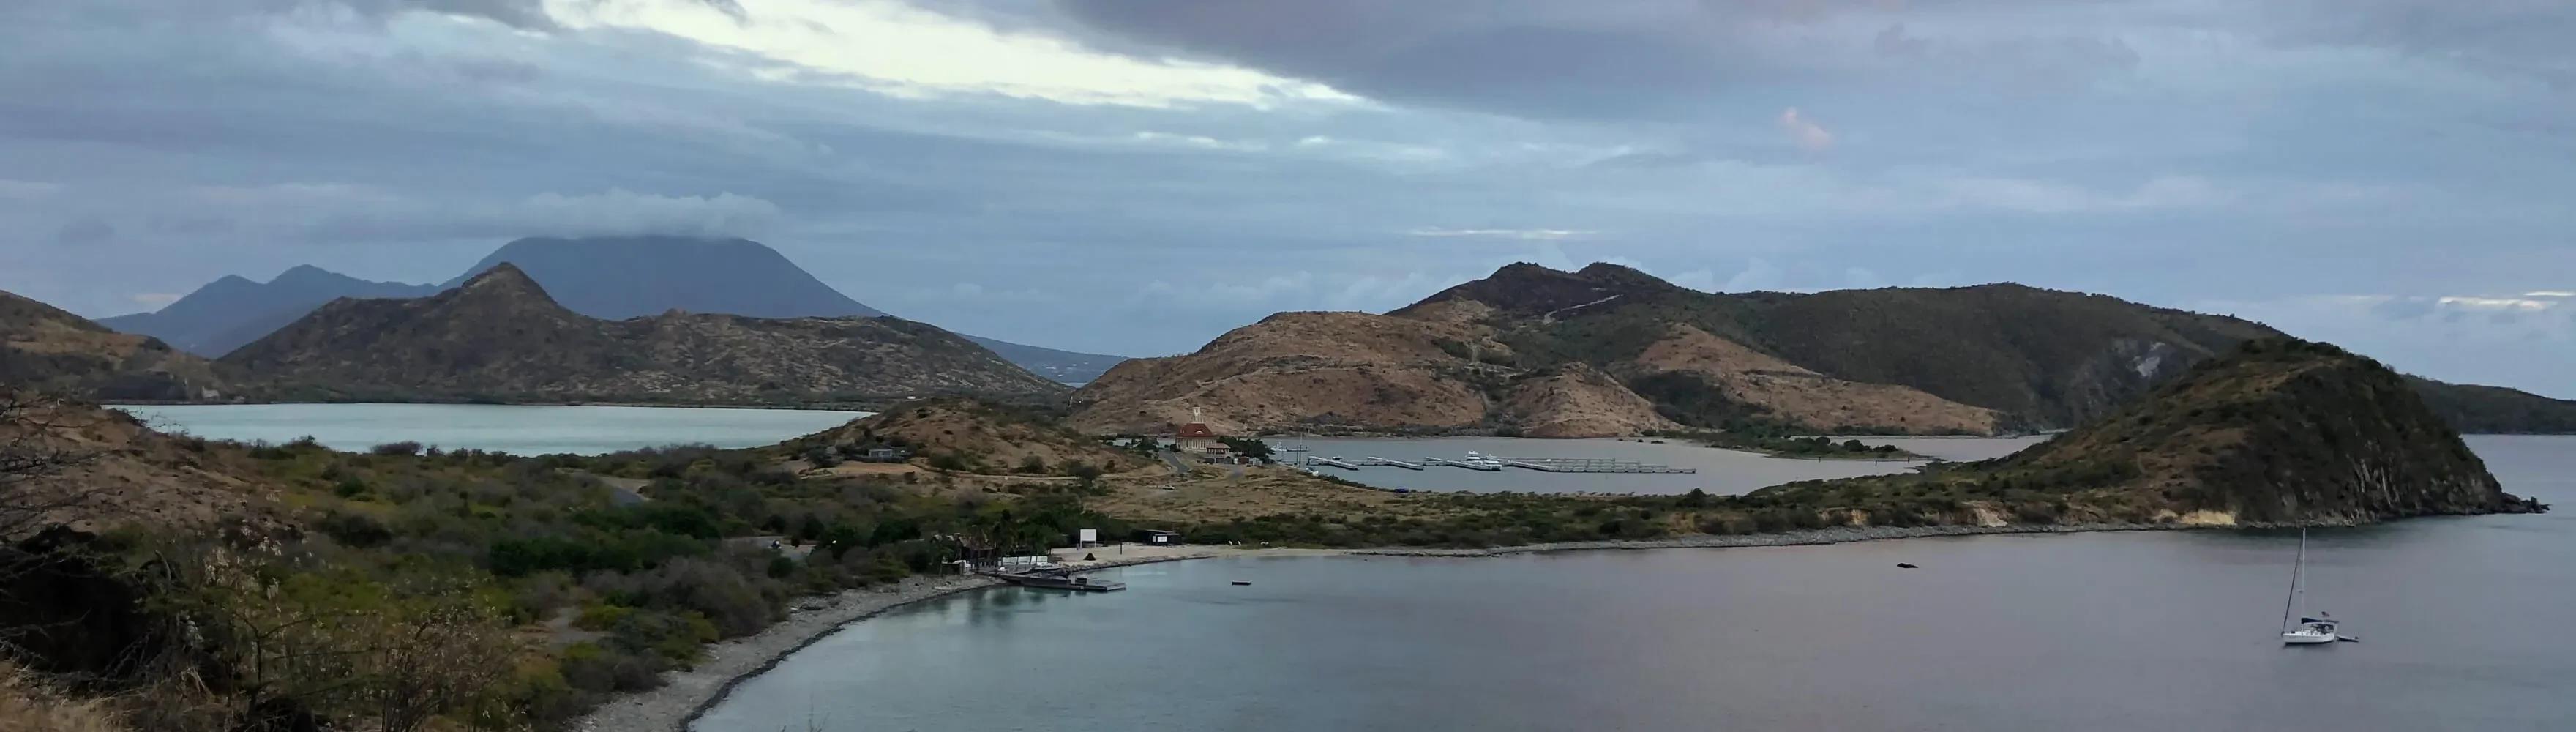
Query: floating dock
{"points": [[1588, 465], [1374, 460], [1488, 467]]}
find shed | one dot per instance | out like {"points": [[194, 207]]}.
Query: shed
{"points": [[1158, 537]]}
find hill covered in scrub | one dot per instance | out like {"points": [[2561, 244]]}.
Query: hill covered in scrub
{"points": [[2278, 431], [1964, 360], [973, 436], [500, 337], [45, 349]]}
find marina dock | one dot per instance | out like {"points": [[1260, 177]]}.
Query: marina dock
{"points": [[1588, 465], [1460, 464], [1493, 463], [1374, 460]]}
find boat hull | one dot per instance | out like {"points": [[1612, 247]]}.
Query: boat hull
{"points": [[2303, 638]]}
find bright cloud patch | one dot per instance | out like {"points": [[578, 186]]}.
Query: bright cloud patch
{"points": [[1521, 234], [902, 50]]}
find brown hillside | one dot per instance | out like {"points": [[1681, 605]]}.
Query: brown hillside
{"points": [[1579, 401], [1296, 371], [499, 337], [46, 349], [1802, 398], [121, 473]]}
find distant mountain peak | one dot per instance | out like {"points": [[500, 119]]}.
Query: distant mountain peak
{"points": [[504, 280]]}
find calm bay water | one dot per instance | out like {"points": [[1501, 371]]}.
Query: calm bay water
{"points": [[515, 429], [2127, 631], [1720, 471]]}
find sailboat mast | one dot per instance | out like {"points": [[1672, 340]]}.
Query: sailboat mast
{"points": [[2302, 563]]}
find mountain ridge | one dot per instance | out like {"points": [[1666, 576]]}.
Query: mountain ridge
{"points": [[611, 278], [1983, 359], [501, 337]]}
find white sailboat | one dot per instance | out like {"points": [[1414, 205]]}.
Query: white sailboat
{"points": [[2320, 629]]}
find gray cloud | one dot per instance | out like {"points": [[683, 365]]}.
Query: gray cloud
{"points": [[85, 231], [2108, 145]]}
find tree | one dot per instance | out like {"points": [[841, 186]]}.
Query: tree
{"points": [[1251, 447]]}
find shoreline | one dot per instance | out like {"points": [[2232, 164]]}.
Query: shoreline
{"points": [[687, 695]]}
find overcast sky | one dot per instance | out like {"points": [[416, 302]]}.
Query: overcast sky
{"points": [[1137, 176]]}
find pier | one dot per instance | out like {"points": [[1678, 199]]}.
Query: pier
{"points": [[1374, 460], [1487, 467]]}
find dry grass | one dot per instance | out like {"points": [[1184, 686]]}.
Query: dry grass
{"points": [[29, 704]]}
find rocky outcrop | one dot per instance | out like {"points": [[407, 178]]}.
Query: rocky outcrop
{"points": [[499, 337]]}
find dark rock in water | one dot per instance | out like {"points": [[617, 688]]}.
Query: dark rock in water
{"points": [[1904, 565], [1241, 583]]}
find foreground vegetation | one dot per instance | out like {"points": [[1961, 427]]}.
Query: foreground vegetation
{"points": [[412, 588]]}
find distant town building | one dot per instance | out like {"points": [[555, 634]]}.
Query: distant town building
{"points": [[887, 454], [1197, 438]]}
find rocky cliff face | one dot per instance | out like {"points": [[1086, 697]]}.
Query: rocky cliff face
{"points": [[44, 349], [500, 337]]}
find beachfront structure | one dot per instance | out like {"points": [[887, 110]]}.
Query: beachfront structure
{"points": [[1158, 537]]}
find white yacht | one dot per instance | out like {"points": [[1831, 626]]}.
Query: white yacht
{"points": [[2320, 629]]}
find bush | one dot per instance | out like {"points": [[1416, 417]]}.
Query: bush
{"points": [[354, 530], [405, 448], [1033, 465]]}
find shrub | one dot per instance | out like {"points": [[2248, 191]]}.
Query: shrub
{"points": [[405, 448]]}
